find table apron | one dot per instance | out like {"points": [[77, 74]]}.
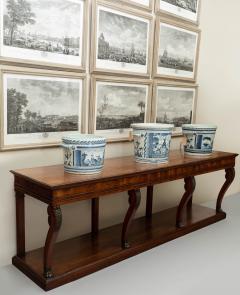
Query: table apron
{"points": [[126, 183]]}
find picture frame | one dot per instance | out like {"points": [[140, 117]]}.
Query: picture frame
{"points": [[117, 55], [47, 50], [43, 115], [179, 103], [174, 59], [189, 12], [140, 4], [119, 114]]}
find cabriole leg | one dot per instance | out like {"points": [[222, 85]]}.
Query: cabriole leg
{"points": [[230, 175], [189, 187], [134, 202], [55, 222]]}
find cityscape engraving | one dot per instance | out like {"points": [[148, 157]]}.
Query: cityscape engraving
{"points": [[48, 26], [122, 39], [190, 5], [177, 48]]}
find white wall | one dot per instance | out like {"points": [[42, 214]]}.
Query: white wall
{"points": [[219, 92], [218, 103]]}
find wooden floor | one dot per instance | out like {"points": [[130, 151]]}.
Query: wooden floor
{"points": [[76, 257]]}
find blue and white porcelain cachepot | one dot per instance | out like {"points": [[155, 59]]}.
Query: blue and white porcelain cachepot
{"points": [[83, 153], [152, 142], [200, 138]]}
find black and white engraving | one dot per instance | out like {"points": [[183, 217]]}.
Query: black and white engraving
{"points": [[184, 8], [41, 105], [122, 41], [190, 5], [142, 2], [119, 105], [175, 105], [46, 30], [177, 52]]}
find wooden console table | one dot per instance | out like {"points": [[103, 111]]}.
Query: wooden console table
{"points": [[60, 263]]}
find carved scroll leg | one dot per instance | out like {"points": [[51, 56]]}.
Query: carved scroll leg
{"points": [[95, 216], [189, 187], [55, 222], [134, 202], [189, 203], [149, 202], [230, 175], [20, 223]]}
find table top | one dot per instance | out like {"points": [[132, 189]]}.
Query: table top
{"points": [[54, 176]]}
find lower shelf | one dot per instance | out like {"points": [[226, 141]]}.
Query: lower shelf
{"points": [[81, 256]]}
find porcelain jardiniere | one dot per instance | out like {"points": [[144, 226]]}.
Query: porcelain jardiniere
{"points": [[83, 153], [152, 142], [200, 138]]}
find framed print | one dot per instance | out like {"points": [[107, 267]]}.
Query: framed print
{"points": [[185, 9], [116, 104], [174, 104], [122, 40], [176, 51], [38, 109], [45, 33], [144, 4]]}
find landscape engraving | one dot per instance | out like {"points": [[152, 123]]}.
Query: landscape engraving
{"points": [[174, 106], [118, 106], [41, 105]]}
